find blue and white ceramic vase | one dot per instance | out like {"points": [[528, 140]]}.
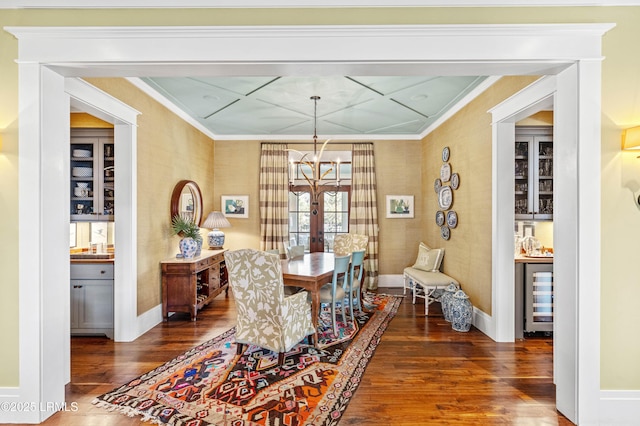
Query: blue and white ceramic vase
{"points": [[461, 311], [188, 247], [199, 247], [445, 300]]}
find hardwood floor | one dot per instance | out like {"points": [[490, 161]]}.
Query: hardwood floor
{"points": [[423, 372]]}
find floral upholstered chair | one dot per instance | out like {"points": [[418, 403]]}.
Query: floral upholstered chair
{"points": [[342, 244], [359, 242], [266, 318], [348, 243]]}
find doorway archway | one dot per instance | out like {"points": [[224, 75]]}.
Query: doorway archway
{"points": [[127, 52]]}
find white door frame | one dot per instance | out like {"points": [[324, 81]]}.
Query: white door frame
{"points": [[48, 55]]}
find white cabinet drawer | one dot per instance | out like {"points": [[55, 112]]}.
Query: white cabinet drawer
{"points": [[92, 271]]}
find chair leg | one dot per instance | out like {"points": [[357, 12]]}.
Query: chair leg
{"points": [[351, 307], [344, 314], [280, 358], [333, 318]]}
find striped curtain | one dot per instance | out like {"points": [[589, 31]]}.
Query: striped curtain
{"points": [[274, 197], [363, 216]]}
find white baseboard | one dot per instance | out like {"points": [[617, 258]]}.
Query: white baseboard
{"points": [[390, 281], [16, 409], [149, 319], [619, 407], [483, 322]]}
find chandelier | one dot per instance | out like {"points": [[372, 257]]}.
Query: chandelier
{"points": [[310, 169]]}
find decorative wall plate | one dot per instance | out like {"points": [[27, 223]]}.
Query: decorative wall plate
{"points": [[445, 197], [445, 172], [439, 218], [455, 181], [452, 219], [437, 184], [445, 154], [445, 233]]}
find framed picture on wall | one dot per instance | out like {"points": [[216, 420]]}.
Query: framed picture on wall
{"points": [[235, 206], [400, 206]]}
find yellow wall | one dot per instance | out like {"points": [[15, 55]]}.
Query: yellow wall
{"points": [[83, 120], [169, 150], [620, 231], [395, 236], [468, 135]]}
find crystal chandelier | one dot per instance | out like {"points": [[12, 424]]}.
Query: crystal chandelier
{"points": [[310, 169]]}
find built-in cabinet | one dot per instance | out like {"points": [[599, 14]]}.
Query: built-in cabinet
{"points": [[534, 173], [92, 299], [92, 175], [190, 284]]}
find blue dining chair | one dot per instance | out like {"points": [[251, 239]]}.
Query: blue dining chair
{"points": [[335, 291], [355, 280]]}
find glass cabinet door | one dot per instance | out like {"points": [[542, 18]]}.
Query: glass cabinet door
{"points": [[533, 175], [92, 175]]}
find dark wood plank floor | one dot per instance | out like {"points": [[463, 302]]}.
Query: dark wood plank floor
{"points": [[423, 372]]}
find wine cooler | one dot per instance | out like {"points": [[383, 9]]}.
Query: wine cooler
{"points": [[538, 297]]}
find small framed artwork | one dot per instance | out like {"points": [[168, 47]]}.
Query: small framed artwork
{"points": [[98, 232], [235, 206], [400, 206]]}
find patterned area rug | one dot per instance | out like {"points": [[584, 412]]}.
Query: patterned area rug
{"points": [[211, 385]]}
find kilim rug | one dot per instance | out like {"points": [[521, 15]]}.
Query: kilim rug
{"points": [[211, 385]]}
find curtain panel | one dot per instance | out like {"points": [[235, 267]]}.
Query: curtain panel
{"points": [[363, 216], [274, 196]]}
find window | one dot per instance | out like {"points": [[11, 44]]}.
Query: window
{"points": [[315, 226]]}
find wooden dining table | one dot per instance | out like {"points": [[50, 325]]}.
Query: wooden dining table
{"points": [[310, 272]]}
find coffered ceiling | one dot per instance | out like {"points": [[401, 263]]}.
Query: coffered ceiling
{"points": [[272, 106]]}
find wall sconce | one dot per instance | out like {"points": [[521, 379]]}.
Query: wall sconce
{"points": [[631, 141], [631, 138]]}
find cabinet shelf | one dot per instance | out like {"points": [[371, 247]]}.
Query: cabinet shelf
{"points": [[99, 145]]}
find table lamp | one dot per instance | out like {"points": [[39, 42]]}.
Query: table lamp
{"points": [[215, 221]]}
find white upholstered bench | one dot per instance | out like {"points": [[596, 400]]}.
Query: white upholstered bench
{"points": [[424, 284]]}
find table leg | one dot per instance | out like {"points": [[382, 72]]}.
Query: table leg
{"points": [[315, 313]]}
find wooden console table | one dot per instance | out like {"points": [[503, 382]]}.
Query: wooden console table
{"points": [[190, 284]]}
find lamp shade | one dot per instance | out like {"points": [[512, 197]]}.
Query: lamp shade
{"points": [[631, 138], [214, 221]]}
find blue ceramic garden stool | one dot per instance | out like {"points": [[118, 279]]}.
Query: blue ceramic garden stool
{"points": [[461, 311], [445, 300]]}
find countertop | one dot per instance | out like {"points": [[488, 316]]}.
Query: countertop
{"points": [[83, 256], [92, 260], [537, 259]]}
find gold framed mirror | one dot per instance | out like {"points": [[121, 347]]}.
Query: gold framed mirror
{"points": [[186, 201]]}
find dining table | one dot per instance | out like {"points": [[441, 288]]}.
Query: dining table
{"points": [[310, 272]]}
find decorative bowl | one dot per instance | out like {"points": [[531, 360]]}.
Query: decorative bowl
{"points": [[81, 153], [82, 171]]}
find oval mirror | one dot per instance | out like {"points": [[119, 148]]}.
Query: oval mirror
{"points": [[186, 201]]}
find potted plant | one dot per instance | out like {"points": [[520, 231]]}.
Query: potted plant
{"points": [[191, 242]]}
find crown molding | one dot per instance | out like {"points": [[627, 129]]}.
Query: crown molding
{"points": [[239, 4]]}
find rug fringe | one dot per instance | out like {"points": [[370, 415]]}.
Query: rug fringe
{"points": [[128, 411]]}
